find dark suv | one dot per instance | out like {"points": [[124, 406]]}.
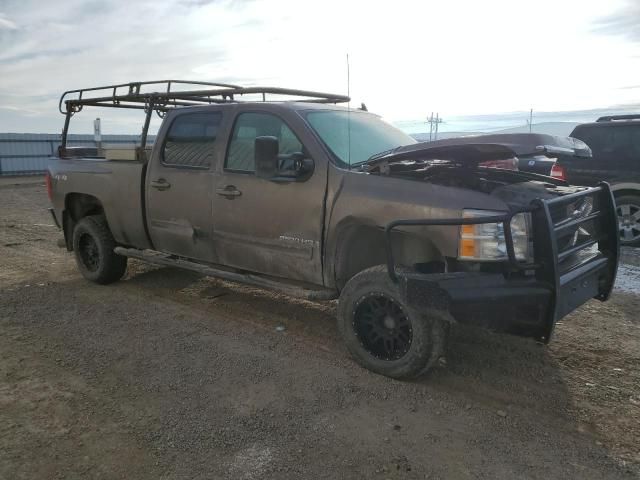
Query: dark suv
{"points": [[615, 143]]}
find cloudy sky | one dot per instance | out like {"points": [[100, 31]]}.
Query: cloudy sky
{"points": [[407, 58]]}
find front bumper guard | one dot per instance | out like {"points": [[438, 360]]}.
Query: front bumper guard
{"points": [[566, 274]]}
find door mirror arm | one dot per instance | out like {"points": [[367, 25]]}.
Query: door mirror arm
{"points": [[296, 167], [304, 167]]}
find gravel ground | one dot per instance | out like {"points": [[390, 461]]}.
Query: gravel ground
{"points": [[168, 375]]}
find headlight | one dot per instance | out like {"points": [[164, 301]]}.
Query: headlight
{"points": [[485, 242]]}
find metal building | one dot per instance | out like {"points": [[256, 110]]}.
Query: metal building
{"points": [[27, 153]]}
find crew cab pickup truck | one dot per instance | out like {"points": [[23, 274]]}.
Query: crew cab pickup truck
{"points": [[323, 202]]}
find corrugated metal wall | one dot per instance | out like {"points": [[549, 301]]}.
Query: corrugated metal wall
{"points": [[27, 153]]}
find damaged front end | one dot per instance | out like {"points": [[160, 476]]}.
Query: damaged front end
{"points": [[568, 254], [480, 162]]}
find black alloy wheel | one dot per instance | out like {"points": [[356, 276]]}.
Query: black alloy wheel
{"points": [[89, 253], [93, 246], [382, 327]]}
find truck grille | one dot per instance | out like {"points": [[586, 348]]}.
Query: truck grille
{"points": [[579, 224], [576, 245]]}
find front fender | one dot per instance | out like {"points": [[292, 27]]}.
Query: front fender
{"points": [[374, 201]]}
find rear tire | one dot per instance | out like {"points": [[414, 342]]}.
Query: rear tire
{"points": [[383, 333], [628, 210], [93, 247]]}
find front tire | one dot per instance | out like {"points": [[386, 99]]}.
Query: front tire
{"points": [[382, 332], [93, 247], [628, 210]]}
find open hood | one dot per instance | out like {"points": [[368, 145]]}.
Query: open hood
{"points": [[473, 150]]}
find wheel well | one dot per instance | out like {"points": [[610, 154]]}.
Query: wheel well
{"points": [[363, 246], [626, 191], [76, 207]]}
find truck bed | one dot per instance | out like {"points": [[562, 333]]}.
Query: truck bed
{"points": [[117, 183]]}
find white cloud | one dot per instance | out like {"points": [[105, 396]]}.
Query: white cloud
{"points": [[407, 58], [6, 24]]}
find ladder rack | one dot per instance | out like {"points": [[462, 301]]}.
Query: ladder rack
{"points": [[161, 96], [132, 95]]}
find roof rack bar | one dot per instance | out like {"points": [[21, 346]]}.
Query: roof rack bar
{"points": [[331, 97], [609, 118], [141, 105], [290, 91], [159, 99]]}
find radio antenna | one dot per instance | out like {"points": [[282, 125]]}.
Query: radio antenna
{"points": [[348, 114]]}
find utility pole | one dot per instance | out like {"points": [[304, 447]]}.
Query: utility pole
{"points": [[530, 120], [433, 126], [430, 122]]}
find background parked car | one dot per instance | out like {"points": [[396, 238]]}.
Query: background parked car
{"points": [[615, 145]]}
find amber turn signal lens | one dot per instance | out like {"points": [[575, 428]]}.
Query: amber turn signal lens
{"points": [[468, 229], [467, 246]]}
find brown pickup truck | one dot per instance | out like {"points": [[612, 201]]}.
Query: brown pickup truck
{"points": [[284, 189]]}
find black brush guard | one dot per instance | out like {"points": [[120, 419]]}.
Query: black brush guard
{"points": [[568, 268]]}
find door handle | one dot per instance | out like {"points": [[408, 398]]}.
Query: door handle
{"points": [[160, 184], [228, 191]]}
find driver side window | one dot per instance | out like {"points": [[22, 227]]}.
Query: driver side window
{"points": [[249, 126]]}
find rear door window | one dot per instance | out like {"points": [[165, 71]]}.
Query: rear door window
{"points": [[190, 140]]}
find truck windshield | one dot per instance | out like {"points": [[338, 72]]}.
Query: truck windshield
{"points": [[353, 137]]}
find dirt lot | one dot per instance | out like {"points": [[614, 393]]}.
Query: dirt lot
{"points": [[167, 375]]}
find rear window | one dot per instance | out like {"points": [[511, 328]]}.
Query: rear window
{"points": [[190, 140], [619, 141]]}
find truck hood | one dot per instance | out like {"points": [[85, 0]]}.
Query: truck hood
{"points": [[457, 163], [477, 149]]}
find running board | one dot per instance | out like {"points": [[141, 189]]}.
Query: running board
{"points": [[269, 283]]}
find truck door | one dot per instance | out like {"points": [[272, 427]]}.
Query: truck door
{"points": [[265, 226], [179, 185]]}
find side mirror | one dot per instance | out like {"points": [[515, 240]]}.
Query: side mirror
{"points": [[266, 157]]}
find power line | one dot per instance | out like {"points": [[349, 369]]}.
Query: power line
{"points": [[433, 126]]}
